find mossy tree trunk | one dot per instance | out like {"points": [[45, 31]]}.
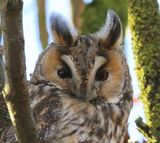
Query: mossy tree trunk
{"points": [[16, 96], [144, 21]]}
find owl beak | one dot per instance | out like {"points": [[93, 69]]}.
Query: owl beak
{"points": [[79, 89], [80, 95], [83, 90]]}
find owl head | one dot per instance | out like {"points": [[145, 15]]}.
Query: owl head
{"points": [[85, 66]]}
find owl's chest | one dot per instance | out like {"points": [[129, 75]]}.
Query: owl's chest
{"points": [[71, 126]]}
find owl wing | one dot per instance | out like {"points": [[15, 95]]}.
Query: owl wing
{"points": [[63, 119]]}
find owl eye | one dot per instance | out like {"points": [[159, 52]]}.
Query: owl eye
{"points": [[64, 72], [101, 75]]}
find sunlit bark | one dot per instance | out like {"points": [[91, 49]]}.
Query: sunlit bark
{"points": [[144, 21], [16, 96]]}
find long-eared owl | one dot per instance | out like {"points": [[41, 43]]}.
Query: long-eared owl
{"points": [[80, 91]]}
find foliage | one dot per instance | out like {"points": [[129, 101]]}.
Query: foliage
{"points": [[144, 20], [95, 13]]}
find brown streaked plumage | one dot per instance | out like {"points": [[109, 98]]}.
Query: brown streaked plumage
{"points": [[80, 90]]}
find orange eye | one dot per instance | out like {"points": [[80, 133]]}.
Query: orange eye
{"points": [[64, 72], [101, 75]]}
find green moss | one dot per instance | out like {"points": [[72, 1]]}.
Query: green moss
{"points": [[95, 13], [144, 21]]}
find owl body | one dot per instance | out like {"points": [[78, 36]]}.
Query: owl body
{"points": [[80, 90]]}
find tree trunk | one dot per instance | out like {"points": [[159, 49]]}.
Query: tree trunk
{"points": [[42, 22], [4, 118], [77, 10], [3, 109], [16, 96], [144, 21], [1, 72]]}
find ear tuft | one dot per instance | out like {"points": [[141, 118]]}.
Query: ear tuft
{"points": [[60, 30], [111, 33]]}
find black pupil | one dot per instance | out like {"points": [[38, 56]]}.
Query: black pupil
{"points": [[64, 72], [101, 75]]}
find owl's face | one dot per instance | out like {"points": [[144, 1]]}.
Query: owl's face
{"points": [[86, 67]]}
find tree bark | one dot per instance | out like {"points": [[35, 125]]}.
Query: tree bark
{"points": [[42, 22], [4, 118], [16, 96], [1, 72], [3, 109], [144, 21], [77, 10]]}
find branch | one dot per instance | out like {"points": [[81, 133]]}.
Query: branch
{"points": [[42, 22], [77, 10], [16, 96], [144, 128], [1, 70], [4, 120]]}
